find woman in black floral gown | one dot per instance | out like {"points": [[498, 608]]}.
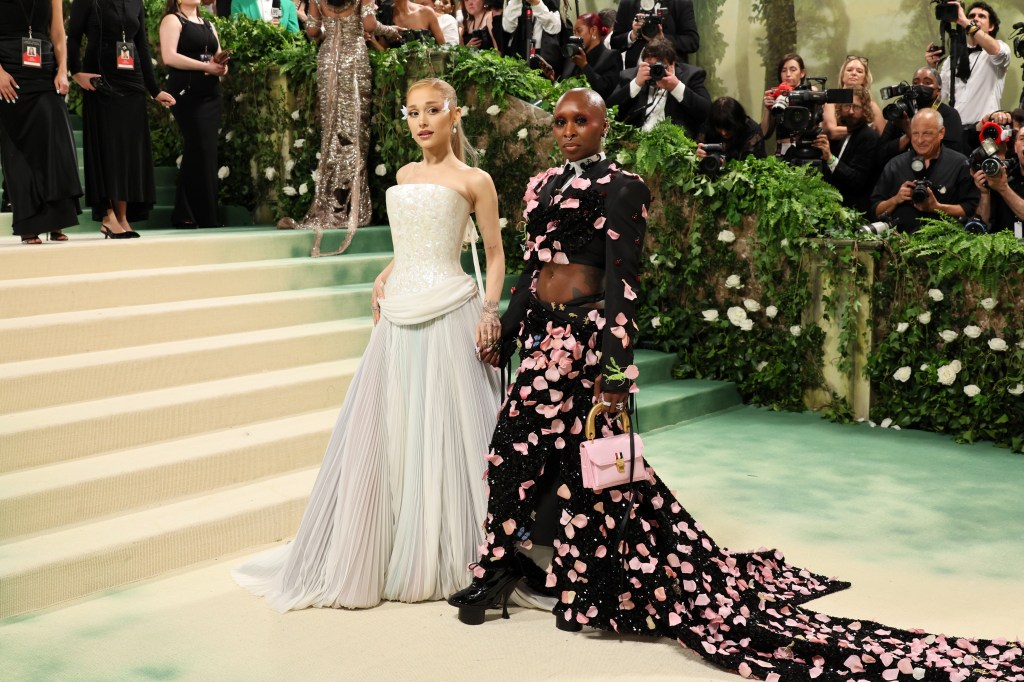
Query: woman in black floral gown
{"points": [[656, 572]]}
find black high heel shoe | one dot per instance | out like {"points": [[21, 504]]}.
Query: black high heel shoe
{"points": [[488, 592], [110, 234]]}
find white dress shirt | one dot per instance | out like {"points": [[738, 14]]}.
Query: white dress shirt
{"points": [[545, 20], [655, 104]]}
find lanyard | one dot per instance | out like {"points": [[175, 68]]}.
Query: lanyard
{"points": [[28, 15], [122, 12]]}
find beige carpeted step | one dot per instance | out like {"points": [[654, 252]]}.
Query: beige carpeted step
{"points": [[65, 432], [84, 489], [42, 336], [73, 562], [29, 384], [58, 294]]}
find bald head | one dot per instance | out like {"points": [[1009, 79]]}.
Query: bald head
{"points": [[926, 132]]}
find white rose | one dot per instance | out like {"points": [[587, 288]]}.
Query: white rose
{"points": [[925, 317], [902, 374], [935, 295], [971, 390], [1016, 390], [295, 115], [784, 243], [956, 365], [795, 330], [303, 188], [988, 303], [289, 164], [771, 311], [925, 366], [886, 423], [177, 161], [289, 190], [381, 170], [299, 142], [902, 327], [948, 335], [759, 366], [736, 315], [656, 322], [751, 305], [229, 135], [947, 375], [270, 173], [223, 172], [502, 222], [523, 133], [746, 325], [997, 344], [972, 331], [710, 315], [726, 236], [733, 282], [493, 110]]}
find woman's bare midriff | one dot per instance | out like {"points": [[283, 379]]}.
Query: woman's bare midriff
{"points": [[559, 283]]}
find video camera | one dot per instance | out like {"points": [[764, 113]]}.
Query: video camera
{"points": [[911, 98], [652, 22], [712, 164], [944, 12], [801, 110], [1018, 39]]}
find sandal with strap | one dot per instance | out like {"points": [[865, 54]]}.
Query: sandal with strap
{"points": [[31, 239], [57, 236]]}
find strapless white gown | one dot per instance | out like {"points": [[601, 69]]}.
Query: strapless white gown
{"points": [[397, 507]]}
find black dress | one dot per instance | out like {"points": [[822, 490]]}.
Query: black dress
{"points": [[118, 151], [198, 114], [37, 148]]}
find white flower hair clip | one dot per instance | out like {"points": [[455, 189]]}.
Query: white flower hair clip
{"points": [[405, 112], [447, 107]]}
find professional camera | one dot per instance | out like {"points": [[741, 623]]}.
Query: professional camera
{"points": [[573, 47], [877, 229], [1018, 39], [801, 110], [658, 71], [995, 132], [911, 98], [712, 164], [652, 22], [945, 12], [986, 158], [974, 225], [919, 194]]}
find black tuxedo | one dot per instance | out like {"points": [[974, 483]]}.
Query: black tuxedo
{"points": [[679, 26], [602, 69], [856, 172], [550, 47], [689, 114]]}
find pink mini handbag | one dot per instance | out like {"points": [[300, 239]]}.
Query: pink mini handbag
{"points": [[607, 462]]}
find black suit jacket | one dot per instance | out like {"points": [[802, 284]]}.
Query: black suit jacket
{"points": [[602, 69], [550, 47], [690, 113], [679, 27], [856, 173]]}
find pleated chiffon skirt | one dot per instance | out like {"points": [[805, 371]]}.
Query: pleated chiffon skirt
{"points": [[396, 510]]}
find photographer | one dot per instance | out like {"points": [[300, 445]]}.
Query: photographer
{"points": [[896, 136], [791, 72], [981, 72], [728, 125], [926, 179], [1002, 195], [639, 22], [588, 57], [659, 89], [850, 163], [547, 28]]}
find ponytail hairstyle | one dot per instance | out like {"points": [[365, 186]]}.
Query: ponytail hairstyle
{"points": [[460, 144], [594, 21]]}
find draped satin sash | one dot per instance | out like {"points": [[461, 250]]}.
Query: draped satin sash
{"points": [[421, 306]]}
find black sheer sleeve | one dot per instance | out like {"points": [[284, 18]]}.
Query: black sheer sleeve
{"points": [[142, 50], [626, 223], [80, 10]]}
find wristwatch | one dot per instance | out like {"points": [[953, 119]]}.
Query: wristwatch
{"points": [[972, 28]]}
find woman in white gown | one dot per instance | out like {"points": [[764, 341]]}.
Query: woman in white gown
{"points": [[396, 508]]}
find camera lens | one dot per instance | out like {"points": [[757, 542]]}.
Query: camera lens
{"points": [[919, 194], [991, 166]]}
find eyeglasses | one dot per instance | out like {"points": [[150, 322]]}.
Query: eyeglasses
{"points": [[851, 57]]}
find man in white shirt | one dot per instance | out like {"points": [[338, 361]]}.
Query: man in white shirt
{"points": [[547, 26], [988, 60], [679, 95]]}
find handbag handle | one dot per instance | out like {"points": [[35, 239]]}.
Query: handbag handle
{"points": [[590, 429]]}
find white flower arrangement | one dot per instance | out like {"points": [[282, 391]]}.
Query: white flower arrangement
{"points": [[493, 110], [710, 315], [299, 143], [948, 335], [746, 325], [997, 344], [733, 282], [289, 190], [381, 170], [936, 295], [771, 311], [751, 305], [523, 133], [902, 327], [270, 172], [902, 374], [795, 330], [223, 172], [736, 315], [295, 115], [1016, 390], [925, 317], [972, 331], [988, 303], [971, 390], [727, 236], [303, 188]]}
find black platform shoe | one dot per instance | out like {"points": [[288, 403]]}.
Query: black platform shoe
{"points": [[489, 592], [567, 625]]}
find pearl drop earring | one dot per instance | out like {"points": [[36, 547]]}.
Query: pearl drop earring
{"points": [[455, 129]]}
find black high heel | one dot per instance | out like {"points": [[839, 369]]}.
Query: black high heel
{"points": [[489, 592], [110, 234], [567, 625]]}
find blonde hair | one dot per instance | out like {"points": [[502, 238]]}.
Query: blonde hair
{"points": [[460, 144], [868, 80]]}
